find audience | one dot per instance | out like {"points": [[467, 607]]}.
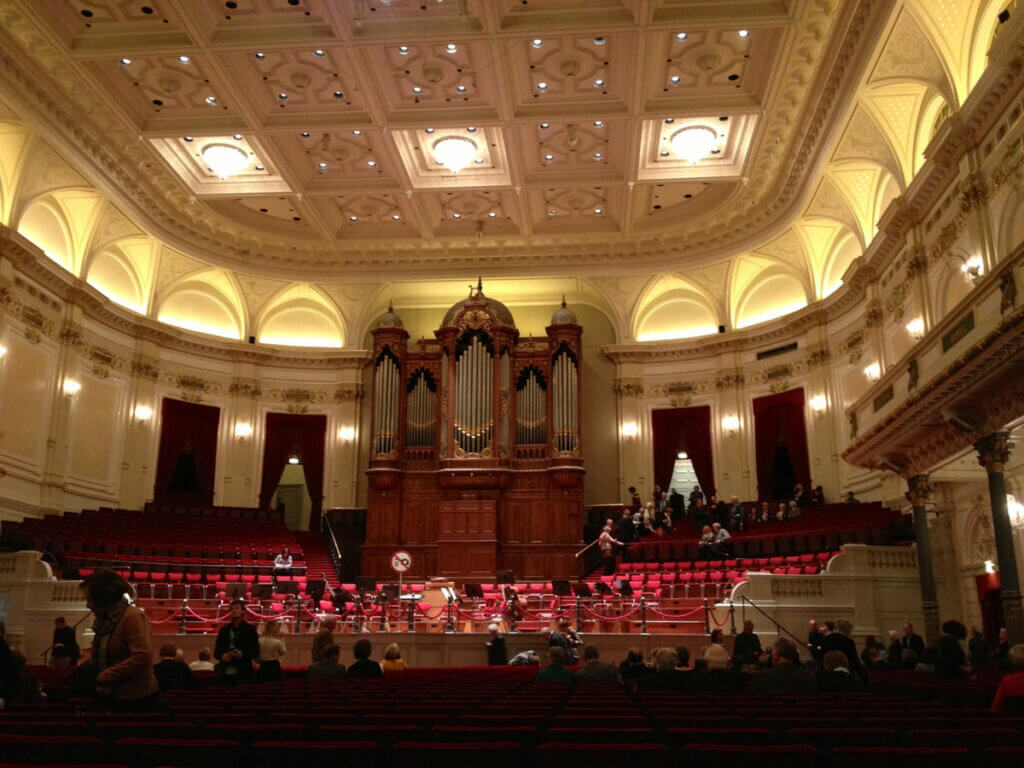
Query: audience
{"points": [[283, 563], [594, 670], [237, 646], [836, 676], [633, 667], [1003, 649], [978, 647], [393, 661], [364, 666], [950, 660], [746, 646], [785, 675], [272, 650], [324, 636], [716, 655], [683, 658], [203, 663], [1010, 694], [841, 640], [666, 677], [815, 637], [171, 672], [912, 640], [895, 652], [555, 671], [497, 656], [64, 647], [122, 647], [328, 667], [871, 655]]}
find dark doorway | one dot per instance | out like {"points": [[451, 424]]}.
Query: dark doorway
{"points": [[187, 459], [782, 478]]}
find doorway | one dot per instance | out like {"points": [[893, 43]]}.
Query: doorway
{"points": [[291, 498]]}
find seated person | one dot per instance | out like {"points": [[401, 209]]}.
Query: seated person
{"points": [[837, 677], [799, 495], [65, 645], [283, 563], [393, 661], [328, 666], [171, 672], [633, 667], [722, 536], [526, 658], [596, 671], [364, 666], [1010, 694], [707, 541], [782, 511], [817, 496], [204, 663], [785, 674], [555, 671], [666, 677], [746, 646]]}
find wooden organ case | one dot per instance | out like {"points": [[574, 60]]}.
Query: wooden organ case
{"points": [[475, 463]]}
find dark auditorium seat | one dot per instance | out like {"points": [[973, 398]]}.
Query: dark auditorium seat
{"points": [[559, 755], [830, 738], [680, 737], [191, 753], [599, 735], [306, 754], [493, 754], [52, 749], [1001, 757], [521, 734], [703, 755], [904, 757]]}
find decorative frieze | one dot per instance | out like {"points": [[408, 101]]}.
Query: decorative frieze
{"points": [[347, 393]]}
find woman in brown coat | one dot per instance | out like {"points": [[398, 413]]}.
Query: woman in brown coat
{"points": [[122, 648]]}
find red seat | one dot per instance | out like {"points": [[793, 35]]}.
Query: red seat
{"points": [[703, 755], [810, 570], [303, 754], [187, 753], [930, 757], [560, 754], [422, 754], [54, 749]]}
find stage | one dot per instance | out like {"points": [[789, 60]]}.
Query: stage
{"points": [[459, 649]]}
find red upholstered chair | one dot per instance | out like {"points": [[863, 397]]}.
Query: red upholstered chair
{"points": [[830, 738], [520, 734], [53, 749], [1003, 757], [190, 753], [974, 739], [423, 754], [247, 733], [905, 757], [704, 755], [810, 570], [794, 571], [264, 579], [304, 754], [560, 754], [680, 737], [700, 565], [172, 576], [112, 730], [700, 576], [685, 565], [140, 575]]}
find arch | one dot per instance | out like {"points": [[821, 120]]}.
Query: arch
{"points": [[43, 223], [896, 107], [933, 113], [300, 316], [113, 275], [951, 289], [676, 315], [845, 251], [985, 26], [772, 295], [207, 302], [1012, 227]]}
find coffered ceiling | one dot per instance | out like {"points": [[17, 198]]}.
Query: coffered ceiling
{"points": [[570, 106]]}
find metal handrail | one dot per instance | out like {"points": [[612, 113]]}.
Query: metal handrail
{"points": [[335, 552], [595, 541], [778, 627]]}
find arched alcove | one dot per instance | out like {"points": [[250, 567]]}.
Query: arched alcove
{"points": [[112, 275], [767, 299], [44, 224], [198, 307]]}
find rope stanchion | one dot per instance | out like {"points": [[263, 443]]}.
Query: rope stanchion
{"points": [[579, 613], [643, 615], [707, 623], [732, 617], [449, 623], [715, 619]]}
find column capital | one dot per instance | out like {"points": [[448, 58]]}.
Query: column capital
{"points": [[994, 451], [918, 490]]}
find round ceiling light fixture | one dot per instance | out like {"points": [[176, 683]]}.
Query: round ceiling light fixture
{"points": [[224, 159], [694, 142], [455, 152]]}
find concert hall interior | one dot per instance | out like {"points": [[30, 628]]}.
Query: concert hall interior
{"points": [[556, 334]]}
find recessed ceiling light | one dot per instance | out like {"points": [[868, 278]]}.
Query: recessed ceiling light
{"points": [[451, 48], [599, 211], [743, 33], [372, 163], [545, 125], [598, 83], [224, 159], [339, 95], [478, 160], [188, 138], [491, 214], [598, 41], [536, 42], [456, 215], [416, 89], [357, 132], [598, 155], [694, 142], [322, 166], [282, 96], [549, 158], [260, 168], [428, 130], [663, 153], [552, 212], [261, 55], [211, 99], [674, 79], [542, 85], [455, 152], [237, 137], [184, 59], [471, 128], [669, 120], [598, 123], [353, 218], [395, 216], [460, 88], [126, 62], [319, 52], [403, 49], [304, 134], [680, 35]]}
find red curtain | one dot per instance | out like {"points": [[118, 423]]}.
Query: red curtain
{"points": [[287, 435], [779, 420], [676, 430], [187, 428]]}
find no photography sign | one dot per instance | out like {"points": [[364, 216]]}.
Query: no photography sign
{"points": [[401, 561]]}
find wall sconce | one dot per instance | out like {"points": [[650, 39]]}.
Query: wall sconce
{"points": [[1015, 510], [681, 456], [3, 351], [71, 387], [916, 328], [242, 429], [143, 412], [347, 434], [293, 459], [973, 268], [819, 403], [873, 371], [730, 423], [990, 567], [629, 429]]}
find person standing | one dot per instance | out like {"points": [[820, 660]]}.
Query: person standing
{"points": [[978, 647], [815, 637], [746, 647], [624, 528], [324, 636], [677, 503], [607, 542], [122, 647], [497, 656], [635, 502], [912, 640], [272, 650], [65, 648], [736, 514], [237, 646]]}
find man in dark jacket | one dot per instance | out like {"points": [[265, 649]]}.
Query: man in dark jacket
{"points": [[677, 503], [785, 674], [65, 644], [624, 530], [497, 656], [746, 648], [815, 637], [840, 640], [237, 646], [912, 640]]}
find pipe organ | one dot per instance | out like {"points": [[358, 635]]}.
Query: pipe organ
{"points": [[475, 464]]}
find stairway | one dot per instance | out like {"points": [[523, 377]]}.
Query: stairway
{"points": [[318, 561]]}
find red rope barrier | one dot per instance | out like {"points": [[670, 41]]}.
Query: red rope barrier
{"points": [[718, 623], [670, 617], [425, 614]]}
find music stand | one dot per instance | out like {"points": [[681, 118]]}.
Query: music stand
{"points": [[366, 584], [316, 589], [582, 589], [473, 590], [624, 589], [505, 577], [287, 588], [561, 588], [261, 591], [390, 591], [235, 590], [603, 588]]}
